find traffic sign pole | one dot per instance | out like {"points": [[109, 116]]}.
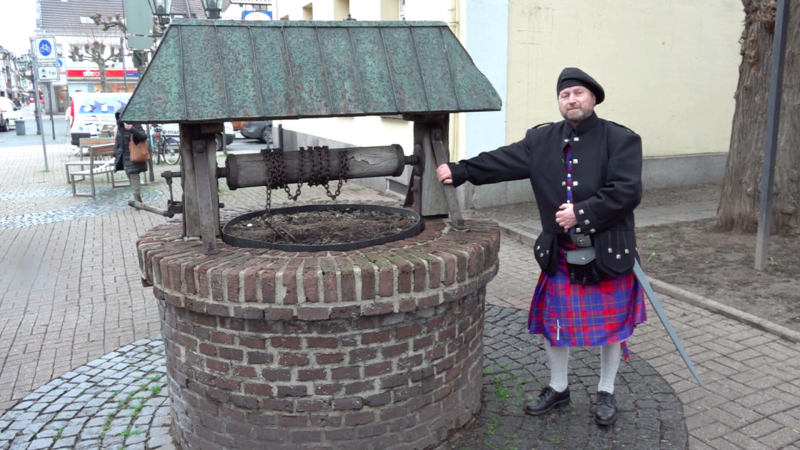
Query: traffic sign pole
{"points": [[36, 102], [50, 96]]}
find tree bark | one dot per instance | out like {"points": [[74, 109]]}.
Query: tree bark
{"points": [[739, 203], [101, 64]]}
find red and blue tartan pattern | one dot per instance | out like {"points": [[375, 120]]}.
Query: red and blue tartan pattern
{"points": [[576, 316]]}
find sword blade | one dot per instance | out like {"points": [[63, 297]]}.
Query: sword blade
{"points": [[637, 270]]}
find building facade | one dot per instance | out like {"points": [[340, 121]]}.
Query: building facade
{"points": [[12, 83]]}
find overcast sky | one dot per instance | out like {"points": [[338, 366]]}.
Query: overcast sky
{"points": [[17, 24]]}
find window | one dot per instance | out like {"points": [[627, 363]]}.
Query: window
{"points": [[87, 20]]}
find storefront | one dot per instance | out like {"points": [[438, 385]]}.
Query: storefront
{"points": [[88, 80]]}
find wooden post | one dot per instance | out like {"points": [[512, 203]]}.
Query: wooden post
{"points": [[199, 180], [432, 198]]}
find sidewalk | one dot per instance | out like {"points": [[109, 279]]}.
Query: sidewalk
{"points": [[70, 293]]}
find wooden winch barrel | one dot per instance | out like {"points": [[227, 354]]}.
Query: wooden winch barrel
{"points": [[250, 170]]}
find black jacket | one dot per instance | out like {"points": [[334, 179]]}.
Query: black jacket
{"points": [[607, 186], [122, 151]]}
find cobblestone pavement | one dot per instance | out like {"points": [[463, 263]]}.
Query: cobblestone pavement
{"points": [[751, 398], [115, 402], [107, 200], [515, 370]]}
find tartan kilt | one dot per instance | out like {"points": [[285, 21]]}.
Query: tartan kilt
{"points": [[575, 316]]}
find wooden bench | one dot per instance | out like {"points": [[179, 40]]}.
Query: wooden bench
{"points": [[95, 168], [107, 167], [85, 143]]}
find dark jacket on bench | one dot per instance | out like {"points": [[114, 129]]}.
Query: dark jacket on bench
{"points": [[122, 151]]}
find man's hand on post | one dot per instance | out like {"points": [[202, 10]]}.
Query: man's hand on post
{"points": [[565, 217], [444, 175], [127, 126]]}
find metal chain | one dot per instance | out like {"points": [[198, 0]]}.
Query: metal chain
{"points": [[320, 157], [267, 155], [325, 153], [275, 165], [343, 169], [299, 178]]}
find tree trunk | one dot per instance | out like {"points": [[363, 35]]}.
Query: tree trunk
{"points": [[741, 187], [101, 64]]}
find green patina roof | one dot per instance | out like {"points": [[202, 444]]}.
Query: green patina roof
{"points": [[213, 71]]}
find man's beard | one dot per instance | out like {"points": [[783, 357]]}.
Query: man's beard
{"points": [[575, 115]]}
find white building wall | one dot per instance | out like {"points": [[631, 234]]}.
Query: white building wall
{"points": [[669, 68]]}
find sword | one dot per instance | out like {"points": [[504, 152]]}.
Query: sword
{"points": [[637, 270]]}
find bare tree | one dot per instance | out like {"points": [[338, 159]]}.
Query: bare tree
{"points": [[99, 52], [140, 57], [739, 203]]}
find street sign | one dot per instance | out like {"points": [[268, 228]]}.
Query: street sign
{"points": [[139, 23], [48, 73], [257, 15], [45, 48]]}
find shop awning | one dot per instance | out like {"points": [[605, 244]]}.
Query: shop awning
{"points": [[215, 71]]}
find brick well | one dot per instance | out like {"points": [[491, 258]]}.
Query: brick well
{"points": [[378, 348]]}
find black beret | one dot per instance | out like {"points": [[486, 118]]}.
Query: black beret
{"points": [[572, 76]]}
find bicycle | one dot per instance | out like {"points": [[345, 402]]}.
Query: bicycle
{"points": [[165, 148]]}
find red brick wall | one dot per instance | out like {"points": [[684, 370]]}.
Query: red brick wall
{"points": [[375, 349]]}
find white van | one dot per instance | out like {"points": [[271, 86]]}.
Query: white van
{"points": [[9, 114], [88, 111]]}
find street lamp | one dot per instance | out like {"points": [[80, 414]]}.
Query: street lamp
{"points": [[213, 8], [161, 9]]}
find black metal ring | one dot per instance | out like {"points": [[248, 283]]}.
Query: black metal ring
{"points": [[251, 243]]}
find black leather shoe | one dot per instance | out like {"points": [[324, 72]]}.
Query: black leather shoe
{"points": [[605, 412], [547, 400]]}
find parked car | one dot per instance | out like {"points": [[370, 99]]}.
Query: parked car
{"points": [[9, 112], [258, 130], [173, 130], [89, 111]]}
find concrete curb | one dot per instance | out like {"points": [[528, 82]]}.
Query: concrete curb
{"points": [[683, 295]]}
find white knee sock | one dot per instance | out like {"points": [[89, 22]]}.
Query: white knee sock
{"points": [[558, 359], [609, 364]]}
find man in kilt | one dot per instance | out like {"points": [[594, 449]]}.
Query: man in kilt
{"points": [[586, 178]]}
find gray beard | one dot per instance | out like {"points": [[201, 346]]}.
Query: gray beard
{"points": [[575, 118]]}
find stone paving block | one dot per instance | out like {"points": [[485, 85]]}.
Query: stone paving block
{"points": [[711, 431], [763, 382], [761, 428], [64, 442], [40, 444], [773, 407], [745, 442], [752, 400], [721, 443], [135, 439], [781, 438]]}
